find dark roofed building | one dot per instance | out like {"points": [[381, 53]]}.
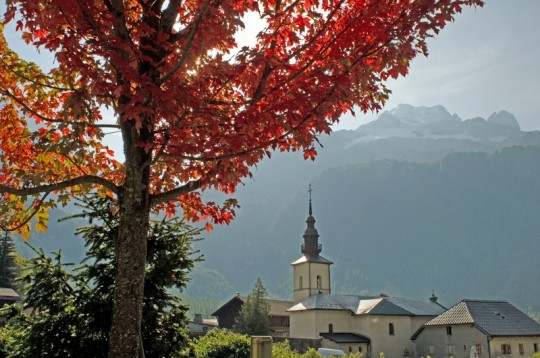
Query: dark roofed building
{"points": [[8, 296], [278, 317], [479, 328]]}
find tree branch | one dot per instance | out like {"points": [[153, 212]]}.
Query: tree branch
{"points": [[85, 179], [175, 193], [188, 44], [29, 217], [54, 120], [20, 75]]}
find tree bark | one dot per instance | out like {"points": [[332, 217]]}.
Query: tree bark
{"points": [[131, 251]]}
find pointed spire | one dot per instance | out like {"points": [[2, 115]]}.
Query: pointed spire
{"points": [[311, 245]]}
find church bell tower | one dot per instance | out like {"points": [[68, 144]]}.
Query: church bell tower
{"points": [[311, 271]]}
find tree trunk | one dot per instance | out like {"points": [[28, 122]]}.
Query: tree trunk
{"points": [[130, 250]]}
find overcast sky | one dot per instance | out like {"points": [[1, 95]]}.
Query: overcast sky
{"points": [[486, 61]]}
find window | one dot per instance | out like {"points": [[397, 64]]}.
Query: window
{"points": [[465, 348], [319, 281], [391, 329], [535, 347], [360, 349], [521, 350], [350, 349], [330, 328], [506, 349], [478, 349], [450, 350], [431, 350], [300, 283], [448, 330]]}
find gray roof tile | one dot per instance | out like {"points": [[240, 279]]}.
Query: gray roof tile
{"points": [[346, 337], [418, 307], [495, 318], [392, 306]]}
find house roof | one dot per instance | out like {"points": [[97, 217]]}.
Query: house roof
{"points": [[9, 294], [209, 322], [346, 337], [494, 318], [277, 307], [236, 298], [380, 306]]}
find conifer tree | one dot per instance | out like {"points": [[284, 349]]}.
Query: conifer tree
{"points": [[253, 317], [9, 269], [72, 309]]}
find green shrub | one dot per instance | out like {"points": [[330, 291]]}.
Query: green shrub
{"points": [[220, 343]]}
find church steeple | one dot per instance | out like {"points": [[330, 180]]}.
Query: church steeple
{"points": [[311, 272], [311, 247]]}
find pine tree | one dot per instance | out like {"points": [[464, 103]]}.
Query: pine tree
{"points": [[9, 269], [253, 317], [72, 308]]}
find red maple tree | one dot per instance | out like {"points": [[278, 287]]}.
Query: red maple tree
{"points": [[195, 109]]}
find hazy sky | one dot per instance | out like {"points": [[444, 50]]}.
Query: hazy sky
{"points": [[486, 61]]}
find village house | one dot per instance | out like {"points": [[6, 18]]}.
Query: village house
{"points": [[278, 319], [479, 329]]}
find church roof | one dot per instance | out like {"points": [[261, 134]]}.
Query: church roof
{"points": [[317, 259], [346, 337], [325, 301], [494, 318], [417, 307], [375, 306]]}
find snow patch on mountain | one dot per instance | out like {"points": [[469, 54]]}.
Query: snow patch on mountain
{"points": [[407, 121]]}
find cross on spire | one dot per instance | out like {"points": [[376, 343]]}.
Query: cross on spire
{"points": [[309, 191]]}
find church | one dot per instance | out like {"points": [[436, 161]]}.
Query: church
{"points": [[365, 324], [398, 327]]}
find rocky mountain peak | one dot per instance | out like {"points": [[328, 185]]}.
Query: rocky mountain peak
{"points": [[422, 115], [504, 118], [407, 121]]}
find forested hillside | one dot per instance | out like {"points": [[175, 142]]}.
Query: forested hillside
{"points": [[464, 226], [416, 201]]}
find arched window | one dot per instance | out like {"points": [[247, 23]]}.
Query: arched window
{"points": [[300, 283], [319, 281], [330, 328]]}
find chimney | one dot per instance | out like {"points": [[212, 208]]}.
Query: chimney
{"points": [[433, 298], [198, 318]]}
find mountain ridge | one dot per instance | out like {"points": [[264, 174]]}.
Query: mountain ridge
{"points": [[357, 191]]}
